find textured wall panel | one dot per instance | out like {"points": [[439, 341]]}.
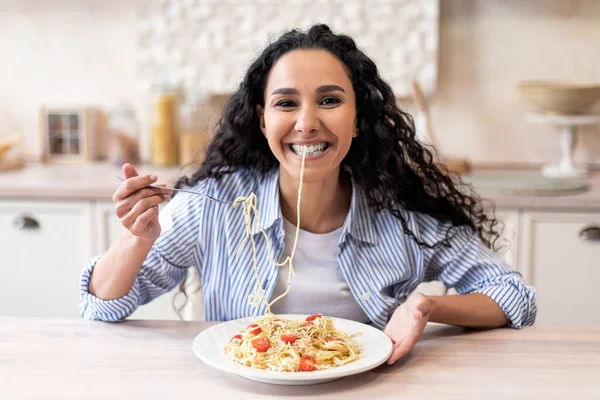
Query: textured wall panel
{"points": [[206, 45]]}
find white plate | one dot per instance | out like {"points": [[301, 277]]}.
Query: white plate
{"points": [[376, 348]]}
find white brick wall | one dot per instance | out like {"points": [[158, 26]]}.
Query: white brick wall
{"points": [[206, 45]]}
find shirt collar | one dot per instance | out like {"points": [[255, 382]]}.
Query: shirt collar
{"points": [[359, 222]]}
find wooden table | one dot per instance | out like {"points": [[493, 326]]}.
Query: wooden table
{"points": [[75, 359]]}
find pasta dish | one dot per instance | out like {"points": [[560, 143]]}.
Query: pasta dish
{"points": [[284, 345]]}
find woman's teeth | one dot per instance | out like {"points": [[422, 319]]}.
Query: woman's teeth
{"points": [[312, 150]]}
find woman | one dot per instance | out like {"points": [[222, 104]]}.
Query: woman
{"points": [[378, 215]]}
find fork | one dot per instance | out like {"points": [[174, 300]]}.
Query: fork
{"points": [[182, 190]]}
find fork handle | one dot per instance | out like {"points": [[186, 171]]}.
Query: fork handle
{"points": [[182, 190]]}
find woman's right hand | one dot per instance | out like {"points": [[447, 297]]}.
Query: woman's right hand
{"points": [[136, 204]]}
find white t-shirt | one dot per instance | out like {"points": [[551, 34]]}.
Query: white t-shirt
{"points": [[318, 285]]}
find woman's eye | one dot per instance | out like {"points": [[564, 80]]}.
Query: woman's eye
{"points": [[284, 104], [330, 101]]}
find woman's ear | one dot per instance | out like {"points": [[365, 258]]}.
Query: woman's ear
{"points": [[261, 118]]}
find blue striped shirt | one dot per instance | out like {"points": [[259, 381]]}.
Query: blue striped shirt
{"points": [[381, 264]]}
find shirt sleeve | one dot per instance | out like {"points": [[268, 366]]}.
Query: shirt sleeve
{"points": [[468, 266], [176, 249]]}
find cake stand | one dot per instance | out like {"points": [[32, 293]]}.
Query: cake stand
{"points": [[568, 126]]}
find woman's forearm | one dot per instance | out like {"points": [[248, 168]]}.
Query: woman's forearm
{"points": [[117, 269], [474, 310]]}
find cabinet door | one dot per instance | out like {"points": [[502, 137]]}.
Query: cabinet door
{"points": [[45, 246], [561, 258], [109, 229]]}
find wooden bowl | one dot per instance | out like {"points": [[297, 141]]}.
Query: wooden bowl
{"points": [[556, 97]]}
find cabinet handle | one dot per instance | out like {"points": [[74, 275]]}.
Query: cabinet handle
{"points": [[26, 222], [591, 233]]}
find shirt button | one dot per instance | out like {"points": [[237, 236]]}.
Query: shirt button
{"points": [[365, 296]]}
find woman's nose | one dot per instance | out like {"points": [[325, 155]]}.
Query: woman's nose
{"points": [[308, 120]]}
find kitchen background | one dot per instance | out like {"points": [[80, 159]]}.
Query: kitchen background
{"points": [[467, 55], [89, 53]]}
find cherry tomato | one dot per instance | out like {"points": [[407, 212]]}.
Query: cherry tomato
{"points": [[313, 317], [261, 344], [308, 363], [236, 337], [308, 323], [333, 339], [289, 339], [255, 331]]}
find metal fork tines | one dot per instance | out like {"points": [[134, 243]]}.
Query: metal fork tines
{"points": [[184, 190]]}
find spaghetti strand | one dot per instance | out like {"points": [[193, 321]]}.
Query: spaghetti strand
{"points": [[249, 206]]}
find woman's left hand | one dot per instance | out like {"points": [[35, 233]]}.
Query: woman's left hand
{"points": [[407, 324]]}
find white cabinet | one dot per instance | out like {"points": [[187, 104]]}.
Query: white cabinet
{"points": [[109, 229], [44, 246], [560, 256]]}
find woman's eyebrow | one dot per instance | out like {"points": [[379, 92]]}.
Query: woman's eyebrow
{"points": [[330, 88], [285, 91], [320, 89]]}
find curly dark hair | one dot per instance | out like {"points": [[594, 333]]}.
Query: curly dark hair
{"points": [[386, 160]]}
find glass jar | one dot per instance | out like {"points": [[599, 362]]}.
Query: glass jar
{"points": [[164, 127], [194, 133], [123, 136]]}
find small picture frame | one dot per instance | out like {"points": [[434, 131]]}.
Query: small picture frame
{"points": [[66, 135]]}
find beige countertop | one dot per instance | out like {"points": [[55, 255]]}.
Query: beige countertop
{"points": [[90, 181], [76, 359], [96, 181]]}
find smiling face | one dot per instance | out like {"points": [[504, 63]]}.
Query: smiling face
{"points": [[309, 109]]}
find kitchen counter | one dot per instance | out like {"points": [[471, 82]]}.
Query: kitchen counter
{"points": [[90, 181], [96, 181], [75, 359]]}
